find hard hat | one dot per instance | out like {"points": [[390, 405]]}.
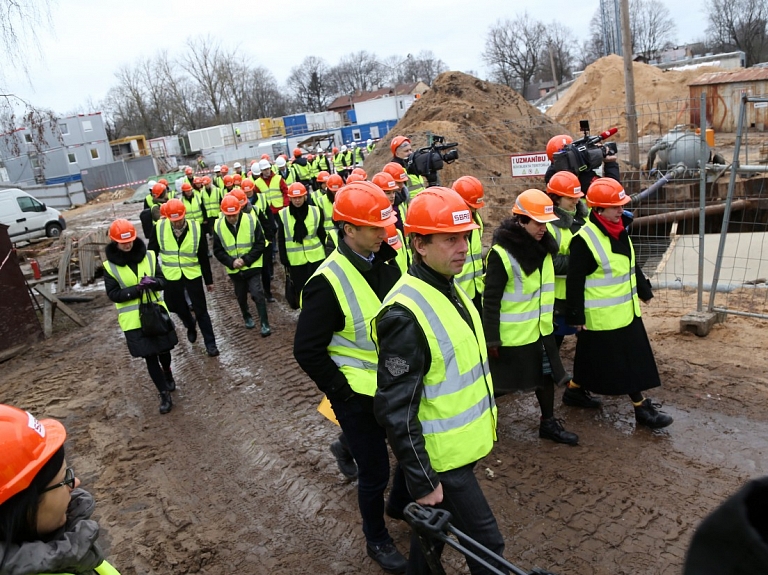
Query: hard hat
{"points": [[247, 185], [363, 204], [335, 182], [536, 205], [566, 184], [353, 144], [438, 210], [240, 195], [175, 209], [217, 168], [122, 231], [265, 157], [224, 170], [310, 157], [151, 184], [163, 213], [355, 178], [296, 190], [323, 176], [396, 171], [206, 180], [26, 444], [396, 142], [335, 150], [237, 165], [237, 178], [369, 142], [360, 171], [158, 190], [163, 181], [280, 162], [264, 165], [189, 171], [343, 149], [393, 238], [471, 189], [186, 187], [197, 180], [228, 180], [230, 205], [385, 181], [557, 143], [296, 152], [606, 193], [284, 156]]}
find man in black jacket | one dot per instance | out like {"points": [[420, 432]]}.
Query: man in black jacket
{"points": [[586, 177], [334, 347]]}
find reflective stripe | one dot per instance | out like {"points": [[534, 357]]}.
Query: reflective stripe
{"points": [[340, 360], [460, 420], [606, 302], [522, 316], [607, 281], [605, 262], [128, 308], [361, 335]]}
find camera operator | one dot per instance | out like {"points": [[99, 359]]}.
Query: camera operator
{"points": [[401, 149], [587, 176]]}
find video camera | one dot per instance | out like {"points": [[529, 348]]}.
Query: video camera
{"points": [[584, 154], [427, 161]]}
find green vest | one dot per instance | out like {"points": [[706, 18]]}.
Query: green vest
{"points": [[415, 185], [176, 259], [338, 163], [322, 163], [274, 195], [471, 277], [211, 201], [357, 156], [563, 236], [333, 235], [311, 250], [238, 247], [528, 302], [610, 292], [260, 201], [403, 257], [352, 348], [301, 173], [457, 411], [370, 148], [313, 167], [128, 311], [194, 211], [327, 207], [102, 568]]}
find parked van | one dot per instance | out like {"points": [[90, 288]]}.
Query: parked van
{"points": [[27, 217]]}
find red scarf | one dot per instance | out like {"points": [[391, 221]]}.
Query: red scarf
{"points": [[613, 229]]}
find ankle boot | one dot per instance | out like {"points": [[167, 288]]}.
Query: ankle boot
{"points": [[553, 430], [166, 403], [249, 324], [265, 329], [648, 414], [170, 382]]}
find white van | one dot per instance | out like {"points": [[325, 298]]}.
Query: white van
{"points": [[27, 217]]}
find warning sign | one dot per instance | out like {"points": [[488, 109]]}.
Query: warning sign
{"points": [[529, 165]]}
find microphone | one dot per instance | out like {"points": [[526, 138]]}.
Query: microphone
{"points": [[607, 134]]}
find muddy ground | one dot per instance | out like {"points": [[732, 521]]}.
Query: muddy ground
{"points": [[238, 477]]}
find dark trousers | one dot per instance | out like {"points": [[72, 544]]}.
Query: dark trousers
{"points": [[464, 500], [367, 441], [156, 365], [267, 271], [174, 295], [300, 275], [244, 286]]}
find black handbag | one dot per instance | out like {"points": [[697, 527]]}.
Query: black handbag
{"points": [[290, 292], [154, 318]]}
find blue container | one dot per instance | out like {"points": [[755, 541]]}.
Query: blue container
{"points": [[295, 125]]}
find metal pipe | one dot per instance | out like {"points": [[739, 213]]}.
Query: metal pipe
{"points": [[675, 172], [745, 169], [688, 214], [702, 199]]}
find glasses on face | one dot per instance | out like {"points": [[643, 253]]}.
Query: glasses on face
{"points": [[69, 481]]}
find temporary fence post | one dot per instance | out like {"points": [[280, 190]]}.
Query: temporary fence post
{"points": [[703, 157]]}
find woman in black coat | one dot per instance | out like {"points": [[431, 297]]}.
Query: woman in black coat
{"points": [[130, 272]]}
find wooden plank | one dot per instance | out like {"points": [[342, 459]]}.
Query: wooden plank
{"points": [[66, 256], [48, 310], [45, 291], [12, 352]]}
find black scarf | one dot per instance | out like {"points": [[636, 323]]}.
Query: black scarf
{"points": [[529, 253], [300, 227]]}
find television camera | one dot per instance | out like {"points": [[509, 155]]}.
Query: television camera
{"points": [[429, 160], [585, 153]]}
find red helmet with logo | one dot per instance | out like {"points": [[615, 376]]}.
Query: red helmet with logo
{"points": [[363, 204], [438, 210]]}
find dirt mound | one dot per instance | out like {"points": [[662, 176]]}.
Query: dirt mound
{"points": [[598, 95], [113, 196]]}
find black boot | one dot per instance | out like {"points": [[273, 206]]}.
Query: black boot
{"points": [[553, 429], [265, 329], [580, 397], [648, 414], [344, 460], [249, 323], [192, 333], [166, 403], [171, 383]]}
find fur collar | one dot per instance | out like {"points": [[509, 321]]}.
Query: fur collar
{"points": [[566, 220], [529, 253], [135, 256]]}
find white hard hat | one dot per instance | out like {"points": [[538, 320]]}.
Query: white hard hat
{"points": [[319, 149], [369, 142], [151, 184], [279, 162], [343, 148], [237, 165], [353, 145], [217, 168], [265, 165]]}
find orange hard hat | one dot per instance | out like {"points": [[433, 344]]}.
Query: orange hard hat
{"points": [[438, 210], [310, 157], [122, 231], [26, 444], [393, 238], [188, 170], [363, 204], [158, 189], [396, 142], [230, 205], [396, 171], [224, 170], [239, 194], [284, 156], [228, 181], [186, 187], [360, 171], [606, 193], [296, 152], [536, 205], [296, 190], [335, 182], [385, 181], [355, 178], [557, 143], [323, 176], [471, 189], [237, 178], [206, 180], [163, 181], [247, 185], [335, 150], [566, 184], [163, 213], [175, 209], [197, 180], [265, 157]]}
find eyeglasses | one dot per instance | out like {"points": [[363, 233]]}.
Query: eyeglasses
{"points": [[69, 481]]}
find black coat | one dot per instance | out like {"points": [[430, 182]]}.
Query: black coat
{"points": [[610, 170], [139, 344]]}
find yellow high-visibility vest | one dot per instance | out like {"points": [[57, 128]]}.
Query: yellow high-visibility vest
{"points": [[177, 260], [310, 250], [246, 236], [128, 311]]}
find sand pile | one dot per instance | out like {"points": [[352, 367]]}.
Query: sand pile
{"points": [[598, 96]]}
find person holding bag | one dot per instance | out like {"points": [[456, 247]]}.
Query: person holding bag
{"points": [[134, 281]]}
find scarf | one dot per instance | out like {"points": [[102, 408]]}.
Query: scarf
{"points": [[614, 230], [300, 227]]}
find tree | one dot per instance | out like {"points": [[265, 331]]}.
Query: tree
{"points": [[311, 84], [206, 62], [653, 28], [513, 49], [425, 67], [560, 41], [740, 25], [356, 72]]}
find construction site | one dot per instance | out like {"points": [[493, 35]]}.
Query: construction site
{"points": [[239, 475]]}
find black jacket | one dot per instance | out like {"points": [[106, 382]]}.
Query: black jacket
{"points": [[582, 263], [396, 404], [321, 316], [202, 251], [256, 251], [610, 170], [572, 223]]}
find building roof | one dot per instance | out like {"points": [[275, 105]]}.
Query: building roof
{"points": [[748, 75], [349, 101]]}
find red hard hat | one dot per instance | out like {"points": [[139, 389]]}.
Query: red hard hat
{"points": [[247, 185], [385, 181], [393, 238], [175, 209], [188, 170], [335, 182], [230, 205], [198, 181], [557, 143], [206, 180], [296, 152], [163, 213], [296, 190], [265, 157], [606, 193], [186, 187], [158, 189], [237, 178], [163, 181], [238, 193], [396, 171], [335, 150], [224, 170], [396, 142], [228, 181], [566, 184], [323, 176], [363, 204], [471, 189], [26, 444], [536, 205], [360, 171], [122, 231], [355, 178], [438, 210]]}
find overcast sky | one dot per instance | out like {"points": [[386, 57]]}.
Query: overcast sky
{"points": [[91, 39]]}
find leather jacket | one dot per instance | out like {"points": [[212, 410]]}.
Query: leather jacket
{"points": [[396, 403]]}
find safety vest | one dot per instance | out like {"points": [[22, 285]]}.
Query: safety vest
{"points": [[402, 209], [470, 278], [212, 202], [334, 235], [369, 148], [352, 348], [274, 195], [357, 156], [457, 411], [260, 201], [326, 206], [338, 163], [528, 302], [311, 250], [313, 169], [246, 236], [322, 163], [102, 568], [415, 185], [563, 236], [403, 257], [610, 292], [194, 211], [177, 260], [128, 311], [301, 172], [289, 176]]}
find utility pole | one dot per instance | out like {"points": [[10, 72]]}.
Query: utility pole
{"points": [[629, 86], [554, 72]]}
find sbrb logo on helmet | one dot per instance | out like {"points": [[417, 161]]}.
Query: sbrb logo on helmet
{"points": [[35, 425], [125, 235], [462, 217], [386, 213], [549, 209], [622, 194], [392, 240]]}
